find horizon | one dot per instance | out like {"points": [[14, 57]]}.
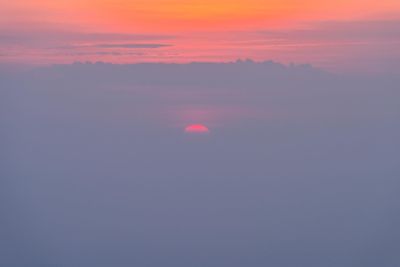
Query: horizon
{"points": [[17, 67]]}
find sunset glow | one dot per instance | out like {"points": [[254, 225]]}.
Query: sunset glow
{"points": [[337, 34]]}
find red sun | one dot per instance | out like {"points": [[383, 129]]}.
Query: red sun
{"points": [[197, 128]]}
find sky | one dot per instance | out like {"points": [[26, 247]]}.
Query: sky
{"points": [[117, 149], [357, 35]]}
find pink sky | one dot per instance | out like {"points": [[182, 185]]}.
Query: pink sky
{"points": [[341, 35]]}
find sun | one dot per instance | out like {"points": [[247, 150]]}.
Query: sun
{"points": [[197, 129]]}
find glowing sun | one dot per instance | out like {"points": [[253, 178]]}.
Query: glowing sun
{"points": [[197, 129]]}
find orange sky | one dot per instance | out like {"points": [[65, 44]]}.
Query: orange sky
{"points": [[203, 29], [188, 15]]}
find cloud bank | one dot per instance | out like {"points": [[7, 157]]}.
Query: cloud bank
{"points": [[300, 169]]}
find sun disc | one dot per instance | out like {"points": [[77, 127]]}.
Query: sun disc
{"points": [[197, 129]]}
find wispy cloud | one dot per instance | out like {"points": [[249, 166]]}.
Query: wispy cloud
{"points": [[56, 37], [49, 46], [132, 45], [115, 45], [366, 30]]}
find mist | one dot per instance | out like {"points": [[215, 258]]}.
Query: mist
{"points": [[301, 166]]}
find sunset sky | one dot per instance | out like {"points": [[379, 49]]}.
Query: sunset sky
{"points": [[340, 35], [188, 133]]}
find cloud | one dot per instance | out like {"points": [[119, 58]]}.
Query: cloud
{"points": [[360, 30], [131, 45], [57, 37], [54, 46], [361, 45], [115, 45], [299, 164]]}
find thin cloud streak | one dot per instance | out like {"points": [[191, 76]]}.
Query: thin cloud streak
{"points": [[340, 30], [131, 45], [114, 45], [32, 38]]}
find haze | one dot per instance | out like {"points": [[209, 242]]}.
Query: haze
{"points": [[171, 133]]}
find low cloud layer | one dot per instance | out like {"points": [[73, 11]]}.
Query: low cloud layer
{"points": [[300, 167]]}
